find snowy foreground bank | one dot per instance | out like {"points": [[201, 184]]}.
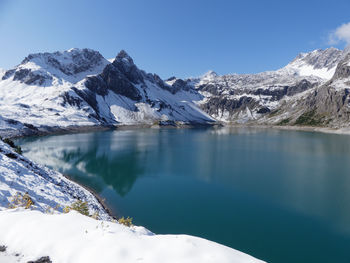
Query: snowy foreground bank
{"points": [[29, 234], [76, 238]]}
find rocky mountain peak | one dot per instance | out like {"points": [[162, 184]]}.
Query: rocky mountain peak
{"points": [[71, 65], [124, 57], [210, 74], [125, 64], [320, 63], [320, 58], [69, 62]]}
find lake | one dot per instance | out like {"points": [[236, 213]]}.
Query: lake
{"points": [[280, 196]]}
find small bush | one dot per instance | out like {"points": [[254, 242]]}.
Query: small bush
{"points": [[19, 200], [310, 118], [125, 221], [284, 122], [9, 142], [79, 206], [50, 210], [16, 148], [11, 155]]}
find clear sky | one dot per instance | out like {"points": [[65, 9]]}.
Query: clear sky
{"points": [[180, 37]]}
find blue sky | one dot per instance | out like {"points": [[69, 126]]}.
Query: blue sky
{"points": [[182, 38]]}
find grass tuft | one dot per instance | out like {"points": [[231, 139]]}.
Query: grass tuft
{"points": [[20, 200], [125, 221]]}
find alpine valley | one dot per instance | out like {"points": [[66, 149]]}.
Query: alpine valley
{"points": [[80, 88]]}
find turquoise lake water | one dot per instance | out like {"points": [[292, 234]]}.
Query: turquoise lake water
{"points": [[281, 196]]}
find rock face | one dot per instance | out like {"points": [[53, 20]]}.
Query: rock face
{"points": [[343, 68], [79, 87], [325, 105], [330, 102], [124, 63], [112, 79]]}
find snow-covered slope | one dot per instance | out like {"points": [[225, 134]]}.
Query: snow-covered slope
{"points": [[76, 238], [45, 187], [319, 63], [31, 93]]}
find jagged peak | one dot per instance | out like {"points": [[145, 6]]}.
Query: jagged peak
{"points": [[210, 74], [125, 64], [123, 56], [172, 78]]}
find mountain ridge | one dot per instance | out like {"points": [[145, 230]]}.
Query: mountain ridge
{"points": [[79, 87]]}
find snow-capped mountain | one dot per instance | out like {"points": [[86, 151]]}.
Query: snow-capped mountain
{"points": [[325, 105], [319, 63], [79, 87], [124, 94], [253, 97]]}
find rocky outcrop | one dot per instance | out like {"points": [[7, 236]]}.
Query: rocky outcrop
{"points": [[121, 82], [221, 106], [42, 260], [125, 64], [30, 77], [343, 68]]}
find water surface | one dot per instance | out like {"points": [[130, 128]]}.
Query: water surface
{"points": [[281, 196]]}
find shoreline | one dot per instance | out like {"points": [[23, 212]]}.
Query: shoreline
{"points": [[88, 129], [327, 130], [48, 131], [96, 195]]}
